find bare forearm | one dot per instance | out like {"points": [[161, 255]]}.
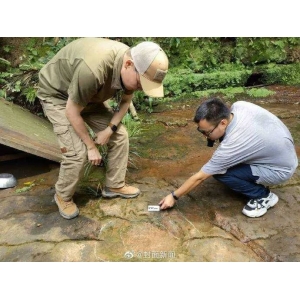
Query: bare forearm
{"points": [[185, 188], [191, 183], [77, 122], [81, 130]]}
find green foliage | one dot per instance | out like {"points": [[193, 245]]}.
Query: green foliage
{"points": [[21, 81], [3, 94], [133, 127], [251, 51], [143, 102], [196, 65], [134, 132], [201, 54], [29, 185], [4, 61], [7, 49], [282, 74], [230, 93], [176, 84], [30, 94], [139, 99], [259, 93]]}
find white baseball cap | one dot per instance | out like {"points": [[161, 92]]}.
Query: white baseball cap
{"points": [[152, 64]]}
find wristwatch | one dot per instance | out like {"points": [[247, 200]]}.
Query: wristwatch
{"points": [[113, 127], [174, 196]]}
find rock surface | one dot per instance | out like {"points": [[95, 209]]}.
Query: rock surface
{"points": [[205, 226]]}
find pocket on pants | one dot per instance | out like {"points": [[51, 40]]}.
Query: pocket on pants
{"points": [[43, 107], [65, 140]]}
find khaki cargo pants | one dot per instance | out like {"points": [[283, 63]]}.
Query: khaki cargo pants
{"points": [[74, 151]]}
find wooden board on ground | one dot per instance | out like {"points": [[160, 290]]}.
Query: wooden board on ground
{"points": [[24, 131]]}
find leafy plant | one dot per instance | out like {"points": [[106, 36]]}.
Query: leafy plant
{"points": [[259, 93], [134, 131], [21, 81], [29, 185]]}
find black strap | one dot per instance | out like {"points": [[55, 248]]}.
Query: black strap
{"points": [[174, 196]]}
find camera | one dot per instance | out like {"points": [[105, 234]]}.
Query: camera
{"points": [[210, 143]]}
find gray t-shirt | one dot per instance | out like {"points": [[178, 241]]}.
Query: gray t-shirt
{"points": [[258, 138]]}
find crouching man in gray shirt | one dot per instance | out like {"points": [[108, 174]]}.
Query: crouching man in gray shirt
{"points": [[256, 150]]}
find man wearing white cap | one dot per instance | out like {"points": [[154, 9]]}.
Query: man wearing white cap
{"points": [[73, 86]]}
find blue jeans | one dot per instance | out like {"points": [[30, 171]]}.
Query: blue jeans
{"points": [[240, 179]]}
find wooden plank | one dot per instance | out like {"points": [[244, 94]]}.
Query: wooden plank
{"points": [[24, 131]]}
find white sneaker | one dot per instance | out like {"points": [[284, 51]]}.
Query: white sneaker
{"points": [[258, 207]]}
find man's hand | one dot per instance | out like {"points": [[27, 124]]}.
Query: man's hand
{"points": [[103, 136], [94, 156], [167, 202], [187, 186]]}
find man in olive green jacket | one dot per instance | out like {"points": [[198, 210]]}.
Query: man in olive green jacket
{"points": [[73, 87]]}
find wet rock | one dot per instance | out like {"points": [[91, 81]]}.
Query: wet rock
{"points": [[205, 225]]}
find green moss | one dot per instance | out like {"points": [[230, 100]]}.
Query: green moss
{"points": [[151, 132]]}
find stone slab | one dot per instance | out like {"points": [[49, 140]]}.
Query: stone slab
{"points": [[24, 131]]}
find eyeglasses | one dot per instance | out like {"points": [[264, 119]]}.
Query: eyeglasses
{"points": [[207, 134]]}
